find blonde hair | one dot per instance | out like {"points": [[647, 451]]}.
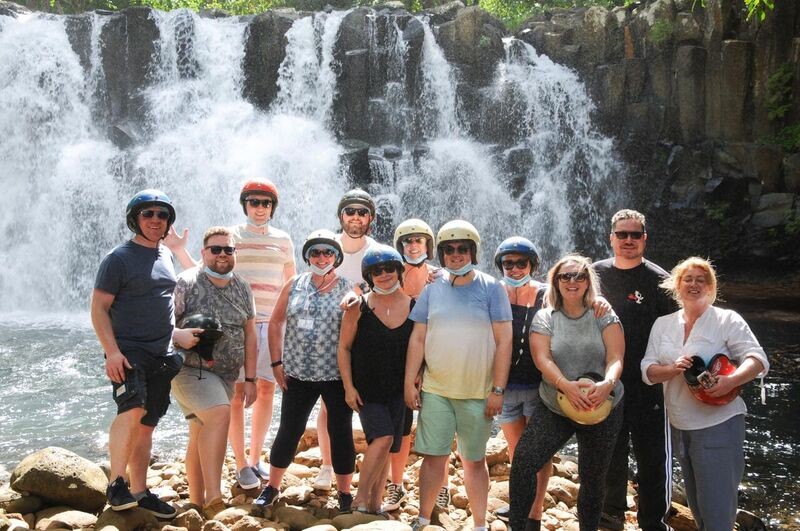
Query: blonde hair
{"points": [[627, 213], [553, 296], [673, 282], [215, 231]]}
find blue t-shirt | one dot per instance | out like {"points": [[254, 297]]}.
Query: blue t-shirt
{"points": [[142, 280], [459, 343]]}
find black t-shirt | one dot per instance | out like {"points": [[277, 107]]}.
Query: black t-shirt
{"points": [[142, 280], [638, 301]]}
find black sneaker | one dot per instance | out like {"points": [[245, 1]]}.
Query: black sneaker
{"points": [[266, 497], [503, 513], [160, 509], [345, 502], [612, 522], [119, 495]]}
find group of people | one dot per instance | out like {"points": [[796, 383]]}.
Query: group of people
{"points": [[379, 330]]}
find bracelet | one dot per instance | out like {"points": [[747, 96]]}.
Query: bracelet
{"points": [[558, 380], [276, 363], [249, 380]]}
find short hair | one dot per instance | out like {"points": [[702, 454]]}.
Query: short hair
{"points": [[215, 231], [673, 281], [627, 213], [553, 296]]}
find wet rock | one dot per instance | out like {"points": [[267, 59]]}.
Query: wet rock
{"points": [[64, 517], [61, 477], [736, 78], [265, 49], [444, 12], [190, 519], [747, 521], [772, 210], [686, 29], [768, 162], [10, 9], [474, 41]]}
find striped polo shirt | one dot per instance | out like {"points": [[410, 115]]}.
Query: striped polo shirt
{"points": [[261, 260]]}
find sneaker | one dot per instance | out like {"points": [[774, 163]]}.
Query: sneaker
{"points": [[324, 478], [443, 498], [247, 479], [345, 502], [503, 512], [160, 509], [612, 522], [119, 495], [267, 496], [394, 497], [261, 469], [214, 507]]}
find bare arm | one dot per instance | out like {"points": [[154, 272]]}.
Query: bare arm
{"points": [[543, 358], [415, 356], [347, 334], [614, 341], [116, 362], [177, 244], [277, 331], [503, 334]]}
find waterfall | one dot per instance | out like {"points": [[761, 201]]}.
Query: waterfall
{"points": [[437, 107]]}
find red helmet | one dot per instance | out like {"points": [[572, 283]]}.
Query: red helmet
{"points": [[259, 186], [700, 377]]}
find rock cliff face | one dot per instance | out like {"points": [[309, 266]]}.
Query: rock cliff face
{"points": [[687, 94]]}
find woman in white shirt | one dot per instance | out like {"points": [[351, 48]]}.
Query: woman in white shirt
{"points": [[707, 439]]}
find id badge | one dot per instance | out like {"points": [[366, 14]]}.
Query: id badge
{"points": [[305, 323]]}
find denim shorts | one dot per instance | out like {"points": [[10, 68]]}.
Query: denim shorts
{"points": [[517, 403], [147, 384]]}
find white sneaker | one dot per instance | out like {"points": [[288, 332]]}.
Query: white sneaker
{"points": [[262, 470], [247, 478], [324, 478]]}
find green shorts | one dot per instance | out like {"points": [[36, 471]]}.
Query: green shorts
{"points": [[440, 419]]}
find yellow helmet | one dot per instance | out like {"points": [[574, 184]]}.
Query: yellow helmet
{"points": [[592, 416], [458, 229], [411, 227]]}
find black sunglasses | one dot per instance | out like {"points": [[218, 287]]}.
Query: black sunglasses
{"points": [[255, 203], [577, 277], [413, 239], [624, 234], [381, 269], [161, 214], [314, 253], [352, 211], [460, 249], [508, 265], [216, 249]]}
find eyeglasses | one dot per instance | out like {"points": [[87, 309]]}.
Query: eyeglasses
{"points": [[413, 239], [255, 203], [633, 234], [508, 265], [216, 249], [161, 214], [381, 269], [352, 211], [583, 276], [314, 253], [460, 249]]}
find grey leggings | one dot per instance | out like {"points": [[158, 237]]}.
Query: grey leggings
{"points": [[547, 433]]}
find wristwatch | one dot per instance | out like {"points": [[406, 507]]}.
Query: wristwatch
{"points": [[276, 363], [250, 380], [498, 390]]}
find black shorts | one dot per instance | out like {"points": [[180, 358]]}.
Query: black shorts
{"points": [[409, 421], [381, 419], [147, 384]]}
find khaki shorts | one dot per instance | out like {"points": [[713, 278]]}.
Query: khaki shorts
{"points": [[195, 394], [441, 418]]}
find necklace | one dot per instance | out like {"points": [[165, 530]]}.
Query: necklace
{"points": [[322, 287]]}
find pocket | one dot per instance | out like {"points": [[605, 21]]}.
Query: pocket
{"points": [[125, 391], [171, 365]]}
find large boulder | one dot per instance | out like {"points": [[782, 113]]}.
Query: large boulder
{"points": [[264, 50], [12, 501], [791, 173], [64, 518], [351, 53], [474, 41], [773, 210], [128, 520], [10, 9], [61, 477]]}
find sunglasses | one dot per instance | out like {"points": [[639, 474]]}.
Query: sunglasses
{"points": [[633, 234], [508, 265], [255, 203], [161, 214], [460, 249], [413, 239], [352, 211], [583, 276], [381, 269], [314, 253], [216, 249]]}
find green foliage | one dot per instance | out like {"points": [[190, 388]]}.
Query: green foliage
{"points": [[661, 32], [792, 227], [718, 211], [787, 138], [514, 12], [779, 92], [758, 8]]}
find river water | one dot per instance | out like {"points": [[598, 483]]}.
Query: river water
{"points": [[53, 392]]}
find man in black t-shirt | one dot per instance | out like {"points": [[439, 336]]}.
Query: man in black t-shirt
{"points": [[630, 283]]}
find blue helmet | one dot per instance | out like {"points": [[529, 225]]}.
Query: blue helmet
{"points": [[517, 245], [144, 199], [380, 254]]}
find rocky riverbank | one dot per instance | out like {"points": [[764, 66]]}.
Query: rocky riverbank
{"points": [[56, 489]]}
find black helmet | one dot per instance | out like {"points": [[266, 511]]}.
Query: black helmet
{"points": [[144, 199], [517, 245], [212, 332], [323, 236], [359, 197]]}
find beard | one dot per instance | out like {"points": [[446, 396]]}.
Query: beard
{"points": [[355, 231]]}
